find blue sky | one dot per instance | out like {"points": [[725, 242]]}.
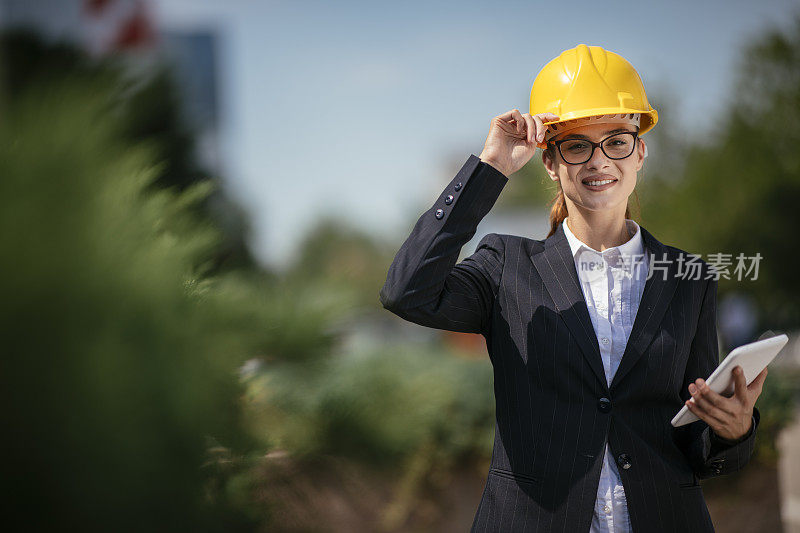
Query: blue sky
{"points": [[364, 110]]}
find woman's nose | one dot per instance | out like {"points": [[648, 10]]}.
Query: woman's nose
{"points": [[598, 158]]}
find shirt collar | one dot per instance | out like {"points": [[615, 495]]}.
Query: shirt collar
{"points": [[634, 246]]}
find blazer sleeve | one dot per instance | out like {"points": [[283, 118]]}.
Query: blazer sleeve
{"points": [[709, 454], [424, 284]]}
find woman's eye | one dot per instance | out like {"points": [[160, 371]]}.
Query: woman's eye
{"points": [[577, 146]]}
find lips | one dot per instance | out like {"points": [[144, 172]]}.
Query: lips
{"points": [[598, 177]]}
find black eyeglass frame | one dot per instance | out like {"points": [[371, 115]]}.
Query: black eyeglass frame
{"points": [[595, 145]]}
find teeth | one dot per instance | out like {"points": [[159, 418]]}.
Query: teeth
{"points": [[601, 182]]}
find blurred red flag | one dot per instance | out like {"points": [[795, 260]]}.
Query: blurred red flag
{"points": [[118, 25]]}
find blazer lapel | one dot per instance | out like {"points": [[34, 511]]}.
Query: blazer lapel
{"points": [[556, 266], [658, 292]]}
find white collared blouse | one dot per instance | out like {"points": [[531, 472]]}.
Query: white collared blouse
{"points": [[612, 282]]}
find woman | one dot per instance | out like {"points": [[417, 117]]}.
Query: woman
{"points": [[597, 334]]}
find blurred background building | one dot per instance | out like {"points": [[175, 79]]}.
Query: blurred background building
{"points": [[129, 28]]}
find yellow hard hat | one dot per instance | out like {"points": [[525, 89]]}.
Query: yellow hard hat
{"points": [[589, 81]]}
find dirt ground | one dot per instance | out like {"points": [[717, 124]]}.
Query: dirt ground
{"points": [[334, 495]]}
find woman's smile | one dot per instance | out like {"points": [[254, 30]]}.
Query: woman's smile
{"points": [[599, 182]]}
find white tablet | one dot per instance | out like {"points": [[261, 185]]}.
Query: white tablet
{"points": [[752, 357]]}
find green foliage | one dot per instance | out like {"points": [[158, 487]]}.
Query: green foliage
{"points": [[115, 373], [283, 322], [379, 407], [776, 405], [529, 186], [739, 186], [343, 258]]}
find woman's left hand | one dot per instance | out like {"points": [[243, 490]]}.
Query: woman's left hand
{"points": [[730, 418]]}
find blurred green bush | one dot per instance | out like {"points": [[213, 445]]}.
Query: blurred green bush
{"points": [[380, 407], [117, 375]]}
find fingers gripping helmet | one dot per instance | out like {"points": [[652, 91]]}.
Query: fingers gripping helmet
{"points": [[590, 85]]}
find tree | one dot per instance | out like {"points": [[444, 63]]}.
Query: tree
{"points": [[148, 110], [739, 189]]}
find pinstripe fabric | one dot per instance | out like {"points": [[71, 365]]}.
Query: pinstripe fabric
{"points": [[524, 296]]}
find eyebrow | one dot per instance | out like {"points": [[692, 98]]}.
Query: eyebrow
{"points": [[609, 132]]}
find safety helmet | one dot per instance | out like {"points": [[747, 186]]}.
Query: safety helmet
{"points": [[592, 84]]}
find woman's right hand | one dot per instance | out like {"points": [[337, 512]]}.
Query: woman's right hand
{"points": [[512, 139]]}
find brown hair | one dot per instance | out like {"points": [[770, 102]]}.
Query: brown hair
{"points": [[558, 211]]}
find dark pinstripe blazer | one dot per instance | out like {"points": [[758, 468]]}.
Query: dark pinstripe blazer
{"points": [[554, 409]]}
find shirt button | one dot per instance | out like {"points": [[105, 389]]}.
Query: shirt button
{"points": [[607, 509], [604, 340]]}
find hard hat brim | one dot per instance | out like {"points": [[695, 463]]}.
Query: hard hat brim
{"points": [[648, 120]]}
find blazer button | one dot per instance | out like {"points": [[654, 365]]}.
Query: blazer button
{"points": [[449, 199], [604, 405], [439, 213], [624, 460], [458, 186]]}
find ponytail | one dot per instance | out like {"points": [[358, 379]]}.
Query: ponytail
{"points": [[558, 212]]}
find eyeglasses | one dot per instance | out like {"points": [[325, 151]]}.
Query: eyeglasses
{"points": [[578, 151]]}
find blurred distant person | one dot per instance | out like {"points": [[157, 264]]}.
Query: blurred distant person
{"points": [[737, 319]]}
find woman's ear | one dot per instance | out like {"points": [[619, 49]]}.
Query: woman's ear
{"points": [[641, 151], [549, 165]]}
